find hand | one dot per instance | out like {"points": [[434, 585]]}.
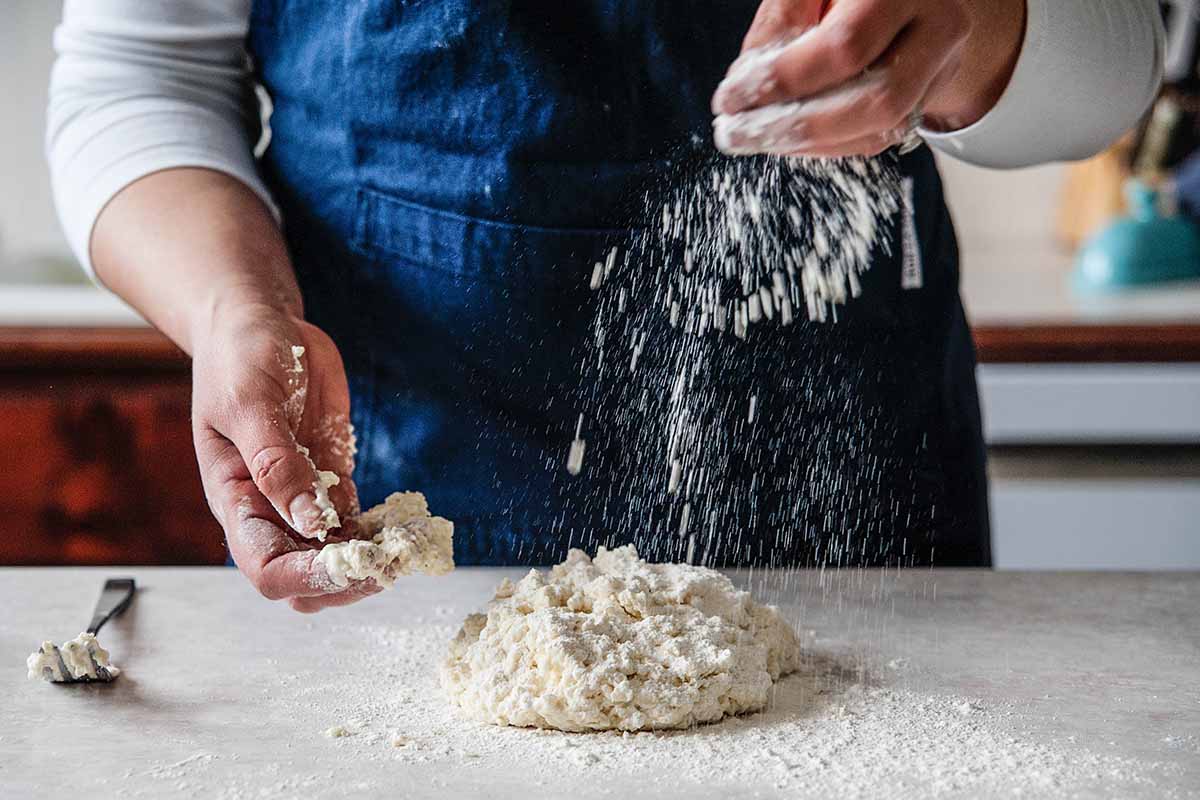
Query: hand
{"points": [[251, 408], [853, 76]]}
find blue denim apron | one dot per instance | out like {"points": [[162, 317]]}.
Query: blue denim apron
{"points": [[449, 171]]}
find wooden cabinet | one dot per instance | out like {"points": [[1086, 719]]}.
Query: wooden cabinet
{"points": [[97, 462], [96, 451], [1094, 435]]}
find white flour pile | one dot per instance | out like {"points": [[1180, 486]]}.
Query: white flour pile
{"points": [[400, 537], [616, 643]]}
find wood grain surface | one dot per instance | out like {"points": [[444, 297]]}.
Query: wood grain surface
{"points": [[1088, 344]]}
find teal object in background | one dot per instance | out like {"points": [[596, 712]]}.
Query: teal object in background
{"points": [[1143, 248]]}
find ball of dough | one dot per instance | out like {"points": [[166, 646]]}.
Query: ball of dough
{"points": [[616, 643]]}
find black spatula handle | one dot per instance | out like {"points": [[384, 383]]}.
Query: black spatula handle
{"points": [[116, 597]]}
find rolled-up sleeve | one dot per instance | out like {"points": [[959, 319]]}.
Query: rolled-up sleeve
{"points": [[1087, 71], [140, 86]]}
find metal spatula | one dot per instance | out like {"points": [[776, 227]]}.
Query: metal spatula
{"points": [[114, 599]]}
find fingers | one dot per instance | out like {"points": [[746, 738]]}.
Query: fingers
{"points": [[282, 568], [752, 79], [851, 38], [866, 146], [870, 145], [283, 473], [353, 594], [272, 560], [862, 117], [868, 109], [778, 20], [275, 563], [810, 128]]}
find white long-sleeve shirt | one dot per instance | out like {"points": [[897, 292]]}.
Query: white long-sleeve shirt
{"points": [[145, 85]]}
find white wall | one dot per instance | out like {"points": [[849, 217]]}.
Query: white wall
{"points": [[30, 240], [1013, 268]]}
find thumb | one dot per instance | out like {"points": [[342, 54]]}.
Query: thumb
{"points": [[283, 470]]}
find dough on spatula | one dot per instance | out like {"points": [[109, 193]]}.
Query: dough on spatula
{"points": [[617, 643], [72, 661]]}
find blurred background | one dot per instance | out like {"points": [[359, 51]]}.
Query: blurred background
{"points": [[1082, 283]]}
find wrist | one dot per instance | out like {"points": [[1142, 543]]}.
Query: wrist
{"points": [[988, 61], [237, 311]]}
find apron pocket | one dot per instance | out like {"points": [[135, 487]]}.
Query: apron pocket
{"points": [[536, 258], [484, 316]]}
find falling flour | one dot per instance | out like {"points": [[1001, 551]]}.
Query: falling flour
{"points": [[615, 643], [696, 372], [762, 240]]}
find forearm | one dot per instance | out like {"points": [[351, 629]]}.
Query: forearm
{"points": [[185, 245]]}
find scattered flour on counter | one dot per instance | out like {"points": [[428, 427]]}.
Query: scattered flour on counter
{"points": [[403, 538], [830, 731], [79, 659], [617, 643], [179, 769]]}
